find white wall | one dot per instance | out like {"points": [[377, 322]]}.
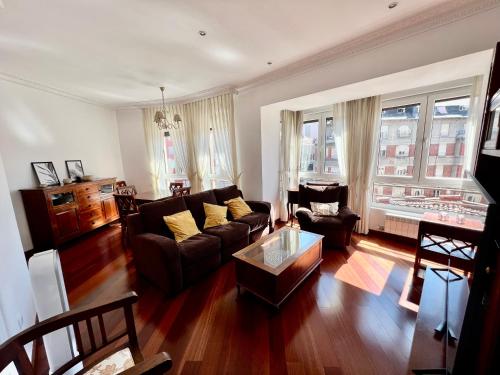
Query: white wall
{"points": [[476, 33], [17, 310], [40, 126], [133, 148]]}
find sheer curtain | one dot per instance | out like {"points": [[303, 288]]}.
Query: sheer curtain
{"points": [[474, 120], [359, 120], [290, 154], [197, 122], [222, 123], [155, 145]]}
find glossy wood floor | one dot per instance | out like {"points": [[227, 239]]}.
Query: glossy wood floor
{"points": [[349, 318]]}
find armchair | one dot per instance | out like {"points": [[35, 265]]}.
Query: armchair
{"points": [[336, 229]]}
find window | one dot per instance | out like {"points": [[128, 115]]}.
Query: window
{"points": [[427, 153], [216, 178], [319, 156], [174, 171]]}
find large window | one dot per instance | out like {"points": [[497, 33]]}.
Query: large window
{"points": [[421, 151], [174, 171], [215, 178], [319, 158]]}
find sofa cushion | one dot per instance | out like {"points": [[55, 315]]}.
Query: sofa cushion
{"points": [[229, 233], [182, 225], [195, 202], [322, 194], [238, 207], [256, 220], [215, 215], [196, 248], [152, 215], [227, 193]]}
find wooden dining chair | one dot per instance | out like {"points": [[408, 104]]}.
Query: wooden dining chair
{"points": [[126, 190], [126, 205], [98, 351], [181, 192], [445, 244], [120, 184], [176, 185]]}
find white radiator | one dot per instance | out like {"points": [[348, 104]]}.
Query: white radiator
{"points": [[406, 226]]}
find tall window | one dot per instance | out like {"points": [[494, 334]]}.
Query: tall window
{"points": [[216, 177], [319, 158], [422, 151], [174, 171]]}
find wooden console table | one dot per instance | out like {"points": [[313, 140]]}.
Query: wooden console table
{"points": [[293, 198]]}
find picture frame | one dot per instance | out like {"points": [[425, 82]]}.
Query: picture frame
{"points": [[46, 173], [75, 169]]}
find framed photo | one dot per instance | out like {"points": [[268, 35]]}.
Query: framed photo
{"points": [[46, 173], [75, 169]]}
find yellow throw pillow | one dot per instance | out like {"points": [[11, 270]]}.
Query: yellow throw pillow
{"points": [[215, 215], [238, 207], [182, 225]]}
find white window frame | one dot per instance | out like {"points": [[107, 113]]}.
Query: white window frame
{"points": [[170, 176], [422, 144], [320, 152], [212, 177]]}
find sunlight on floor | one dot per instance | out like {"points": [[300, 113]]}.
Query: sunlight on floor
{"points": [[385, 251], [403, 300], [366, 271]]}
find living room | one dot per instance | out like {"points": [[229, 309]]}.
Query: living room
{"points": [[245, 115]]}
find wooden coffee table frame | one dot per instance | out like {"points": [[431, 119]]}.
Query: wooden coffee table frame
{"points": [[274, 285]]}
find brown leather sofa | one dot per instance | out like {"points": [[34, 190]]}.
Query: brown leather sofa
{"points": [[171, 265], [336, 229]]}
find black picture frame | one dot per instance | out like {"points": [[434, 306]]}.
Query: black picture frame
{"points": [[46, 173], [75, 169]]}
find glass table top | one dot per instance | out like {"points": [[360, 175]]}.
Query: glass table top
{"points": [[276, 251]]}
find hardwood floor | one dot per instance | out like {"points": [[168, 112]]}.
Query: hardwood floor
{"points": [[349, 318]]}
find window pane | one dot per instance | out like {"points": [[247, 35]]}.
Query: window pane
{"points": [[398, 134], [309, 154], [447, 144], [331, 159], [172, 168], [431, 198]]}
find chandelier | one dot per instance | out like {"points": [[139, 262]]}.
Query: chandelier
{"points": [[161, 116]]}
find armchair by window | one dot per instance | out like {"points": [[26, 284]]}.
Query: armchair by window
{"points": [[336, 229]]}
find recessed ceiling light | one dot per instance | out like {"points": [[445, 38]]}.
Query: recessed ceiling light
{"points": [[202, 33], [393, 5], [269, 63]]}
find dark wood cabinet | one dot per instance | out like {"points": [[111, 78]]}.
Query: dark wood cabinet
{"points": [[60, 213]]}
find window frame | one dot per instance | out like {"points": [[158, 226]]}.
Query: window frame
{"points": [[320, 117], [422, 146]]}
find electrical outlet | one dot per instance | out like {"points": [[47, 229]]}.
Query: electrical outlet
{"points": [[381, 227]]}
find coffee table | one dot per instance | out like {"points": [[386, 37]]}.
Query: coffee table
{"points": [[274, 266]]}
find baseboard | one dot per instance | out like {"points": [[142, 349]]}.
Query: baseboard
{"points": [[393, 237]]}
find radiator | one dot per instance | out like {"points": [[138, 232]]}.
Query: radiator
{"points": [[401, 225]]}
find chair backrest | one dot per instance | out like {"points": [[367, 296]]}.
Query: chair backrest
{"points": [[126, 204], [120, 184], [181, 192], [176, 185], [429, 228], [126, 190], [323, 194], [98, 339]]}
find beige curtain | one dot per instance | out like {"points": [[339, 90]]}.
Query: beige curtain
{"points": [[155, 145], [290, 150], [361, 124], [222, 123]]}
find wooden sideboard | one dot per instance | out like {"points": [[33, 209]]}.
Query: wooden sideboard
{"points": [[57, 214]]}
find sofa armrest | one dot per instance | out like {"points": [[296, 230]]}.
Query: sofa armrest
{"points": [[260, 206], [348, 217], [158, 259], [134, 224]]}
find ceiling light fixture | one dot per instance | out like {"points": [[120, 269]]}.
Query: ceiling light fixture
{"points": [[161, 116], [393, 5], [202, 33]]}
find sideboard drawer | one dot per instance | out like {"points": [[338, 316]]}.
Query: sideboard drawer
{"points": [[85, 199], [91, 218], [89, 205], [87, 189]]}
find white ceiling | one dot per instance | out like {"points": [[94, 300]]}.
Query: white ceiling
{"points": [[116, 52]]}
